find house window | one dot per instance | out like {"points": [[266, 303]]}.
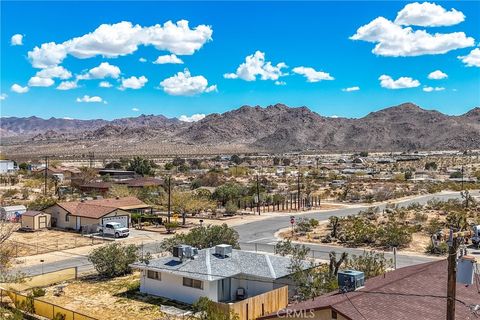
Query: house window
{"points": [[334, 314], [154, 275], [67, 217], [193, 283]]}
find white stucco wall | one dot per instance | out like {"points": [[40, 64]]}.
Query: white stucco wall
{"points": [[171, 286], [252, 287]]}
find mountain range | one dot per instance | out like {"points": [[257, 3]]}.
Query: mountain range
{"points": [[276, 128]]}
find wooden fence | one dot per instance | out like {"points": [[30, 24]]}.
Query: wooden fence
{"points": [[257, 306]]}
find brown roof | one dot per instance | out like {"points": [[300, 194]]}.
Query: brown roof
{"points": [[96, 185], [415, 292], [32, 213], [142, 182], [100, 207]]}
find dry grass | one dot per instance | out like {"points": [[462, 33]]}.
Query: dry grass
{"points": [[105, 299], [31, 243]]}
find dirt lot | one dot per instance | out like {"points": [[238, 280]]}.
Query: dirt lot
{"points": [[31, 243], [118, 298]]}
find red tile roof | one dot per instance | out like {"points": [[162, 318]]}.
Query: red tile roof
{"points": [[415, 292]]}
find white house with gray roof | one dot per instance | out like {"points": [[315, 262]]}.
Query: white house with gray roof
{"points": [[220, 273]]}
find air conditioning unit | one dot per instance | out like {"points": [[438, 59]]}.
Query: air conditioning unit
{"points": [[350, 280], [223, 250], [184, 251]]}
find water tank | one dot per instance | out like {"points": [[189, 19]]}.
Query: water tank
{"points": [[223, 250], [350, 280], [466, 270]]}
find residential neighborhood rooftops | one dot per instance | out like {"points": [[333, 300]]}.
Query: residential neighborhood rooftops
{"points": [[415, 292], [207, 265]]}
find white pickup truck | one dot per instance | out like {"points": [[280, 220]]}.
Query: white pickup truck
{"points": [[114, 229]]}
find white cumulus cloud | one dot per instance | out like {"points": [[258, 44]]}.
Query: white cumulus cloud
{"points": [[17, 40], [472, 59], [169, 58], [135, 109], [67, 85], [428, 15], [40, 82], [133, 82], [255, 65], [105, 84], [401, 83], [430, 89], [280, 83], [3, 96], [395, 41], [437, 75], [312, 75], [350, 89], [184, 84], [142, 59], [89, 99], [54, 72], [123, 38], [193, 118], [104, 70], [18, 88]]}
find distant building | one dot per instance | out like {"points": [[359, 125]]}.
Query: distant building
{"points": [[12, 213], [7, 166], [117, 174]]}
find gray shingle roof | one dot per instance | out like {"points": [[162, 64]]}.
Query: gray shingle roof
{"points": [[209, 266]]}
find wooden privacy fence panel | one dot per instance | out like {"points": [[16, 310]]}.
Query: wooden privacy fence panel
{"points": [[43, 308], [257, 306]]}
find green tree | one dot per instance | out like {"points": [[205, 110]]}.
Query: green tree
{"points": [[23, 166], [204, 237], [142, 166], [236, 159], [41, 203], [432, 165], [114, 259], [371, 263], [117, 165], [364, 154], [231, 208]]}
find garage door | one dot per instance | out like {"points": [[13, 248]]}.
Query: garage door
{"points": [[123, 220]]}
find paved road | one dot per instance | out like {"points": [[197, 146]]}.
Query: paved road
{"points": [[260, 235]]}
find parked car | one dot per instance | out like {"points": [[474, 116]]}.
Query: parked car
{"points": [[114, 229]]}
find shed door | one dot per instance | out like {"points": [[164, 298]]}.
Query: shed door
{"points": [[123, 220], [42, 222]]}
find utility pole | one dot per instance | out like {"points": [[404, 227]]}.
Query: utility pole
{"points": [[452, 275], [298, 189], [169, 198], [258, 196], [46, 176], [462, 176], [91, 156]]}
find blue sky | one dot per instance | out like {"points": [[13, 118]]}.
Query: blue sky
{"points": [[235, 54]]}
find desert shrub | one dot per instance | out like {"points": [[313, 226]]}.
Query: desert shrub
{"points": [[114, 259], [393, 234], [371, 263], [441, 249], [38, 292]]}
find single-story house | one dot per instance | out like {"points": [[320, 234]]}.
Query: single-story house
{"points": [[142, 182], [117, 174], [415, 292], [12, 213], [220, 273], [79, 215], [36, 220], [67, 172]]}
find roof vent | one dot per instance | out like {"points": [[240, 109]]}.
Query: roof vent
{"points": [[223, 250], [350, 280]]}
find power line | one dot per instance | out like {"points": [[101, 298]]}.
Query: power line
{"points": [[345, 294]]}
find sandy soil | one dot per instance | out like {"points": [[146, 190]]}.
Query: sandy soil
{"points": [[107, 297], [32, 243]]}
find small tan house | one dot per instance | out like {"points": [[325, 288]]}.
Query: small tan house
{"points": [[36, 220], [77, 215]]}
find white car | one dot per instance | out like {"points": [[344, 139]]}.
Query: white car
{"points": [[114, 229]]}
